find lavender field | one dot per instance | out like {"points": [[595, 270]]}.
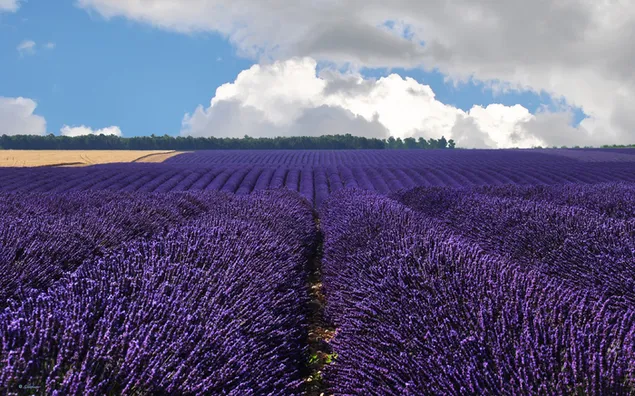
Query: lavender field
{"points": [[317, 174], [371, 272]]}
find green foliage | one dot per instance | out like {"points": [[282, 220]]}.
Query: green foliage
{"points": [[330, 358], [313, 358], [618, 146], [410, 143], [167, 142]]}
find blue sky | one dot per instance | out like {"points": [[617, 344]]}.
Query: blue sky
{"points": [[110, 73], [144, 79]]}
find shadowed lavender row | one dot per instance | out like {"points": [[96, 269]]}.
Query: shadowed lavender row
{"points": [[615, 200], [581, 247], [216, 306], [423, 311], [401, 158]]}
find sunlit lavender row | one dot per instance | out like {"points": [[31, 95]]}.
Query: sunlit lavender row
{"points": [[211, 306], [422, 309]]}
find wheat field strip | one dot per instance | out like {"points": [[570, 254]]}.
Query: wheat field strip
{"points": [[35, 158]]}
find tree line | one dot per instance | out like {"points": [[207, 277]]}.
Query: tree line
{"points": [[618, 146], [188, 143], [586, 147]]}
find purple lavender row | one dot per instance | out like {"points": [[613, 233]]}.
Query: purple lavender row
{"points": [[422, 311], [302, 158], [217, 306], [321, 186], [615, 200], [579, 247], [239, 178], [43, 236]]}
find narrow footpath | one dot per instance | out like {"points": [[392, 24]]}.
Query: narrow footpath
{"points": [[320, 331]]}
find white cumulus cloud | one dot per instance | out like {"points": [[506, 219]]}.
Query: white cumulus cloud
{"points": [[291, 98], [580, 50], [17, 118], [84, 130], [9, 5], [26, 47]]}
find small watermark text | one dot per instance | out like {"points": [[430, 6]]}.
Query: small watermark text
{"points": [[28, 386]]}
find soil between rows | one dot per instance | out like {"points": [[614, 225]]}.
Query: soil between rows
{"points": [[321, 332]]}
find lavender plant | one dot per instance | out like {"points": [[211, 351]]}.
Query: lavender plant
{"points": [[216, 306], [422, 310]]}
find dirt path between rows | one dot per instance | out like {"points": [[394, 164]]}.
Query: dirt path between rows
{"points": [[321, 332]]}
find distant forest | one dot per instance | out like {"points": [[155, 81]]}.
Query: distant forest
{"points": [[166, 142]]}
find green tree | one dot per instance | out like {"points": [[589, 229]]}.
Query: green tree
{"points": [[167, 142], [410, 143]]}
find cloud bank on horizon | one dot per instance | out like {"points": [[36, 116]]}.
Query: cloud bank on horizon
{"points": [[18, 118], [83, 130], [288, 98], [312, 56]]}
